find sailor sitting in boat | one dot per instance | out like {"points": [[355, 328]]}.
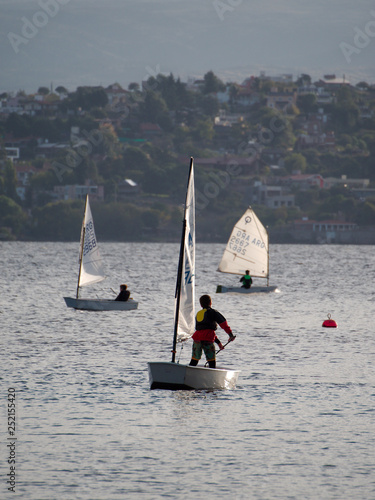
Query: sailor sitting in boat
{"points": [[124, 294], [247, 280], [204, 337]]}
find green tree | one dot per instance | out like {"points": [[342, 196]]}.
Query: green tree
{"points": [[61, 90], [18, 125], [43, 90], [87, 98], [12, 216], [303, 80], [365, 215], [59, 221], [155, 110], [133, 86], [150, 219], [212, 83], [136, 159], [210, 105], [204, 131], [295, 162], [307, 103], [9, 180]]}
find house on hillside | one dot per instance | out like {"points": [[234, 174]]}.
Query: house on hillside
{"points": [[231, 163], [79, 192], [304, 182], [150, 130], [270, 196], [344, 181], [24, 173], [281, 100], [117, 97], [325, 231], [126, 188], [331, 82]]}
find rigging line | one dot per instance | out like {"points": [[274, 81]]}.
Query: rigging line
{"points": [[182, 346]]}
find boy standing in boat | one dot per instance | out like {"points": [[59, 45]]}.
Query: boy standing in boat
{"points": [[206, 322]]}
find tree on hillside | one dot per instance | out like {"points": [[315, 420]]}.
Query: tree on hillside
{"points": [[212, 83], [11, 215], [133, 86], [295, 162], [87, 98], [204, 131], [18, 125], [43, 90], [167, 88], [303, 80], [209, 105], [9, 180], [307, 103], [68, 215], [61, 90], [154, 109], [135, 159]]}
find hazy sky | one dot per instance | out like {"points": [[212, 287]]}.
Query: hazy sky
{"points": [[99, 42]]}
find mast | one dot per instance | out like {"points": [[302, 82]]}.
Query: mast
{"points": [[81, 246], [180, 269]]}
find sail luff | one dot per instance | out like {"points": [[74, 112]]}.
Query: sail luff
{"points": [[81, 243]]}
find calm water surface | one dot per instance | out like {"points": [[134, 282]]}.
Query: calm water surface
{"points": [[300, 424]]}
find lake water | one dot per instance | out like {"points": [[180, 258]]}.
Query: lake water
{"points": [[300, 424]]}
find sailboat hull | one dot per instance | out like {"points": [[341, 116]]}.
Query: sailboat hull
{"points": [[253, 289], [173, 376], [101, 304]]}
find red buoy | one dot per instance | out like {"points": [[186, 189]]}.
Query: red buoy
{"points": [[329, 323]]}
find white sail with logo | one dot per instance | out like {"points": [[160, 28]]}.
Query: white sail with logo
{"points": [[91, 267], [185, 315], [91, 271], [247, 248]]}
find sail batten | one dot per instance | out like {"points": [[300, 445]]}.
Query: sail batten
{"points": [[91, 269], [247, 248]]}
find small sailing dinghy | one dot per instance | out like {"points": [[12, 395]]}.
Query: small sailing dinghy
{"points": [[247, 249], [91, 271], [172, 375]]}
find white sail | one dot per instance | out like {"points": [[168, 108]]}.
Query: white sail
{"points": [[247, 248], [186, 316], [91, 263]]}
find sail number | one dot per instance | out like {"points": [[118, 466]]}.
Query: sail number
{"points": [[188, 277], [240, 241], [90, 239]]}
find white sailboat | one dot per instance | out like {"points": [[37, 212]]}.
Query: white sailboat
{"points": [[247, 249], [172, 375], [91, 271]]}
